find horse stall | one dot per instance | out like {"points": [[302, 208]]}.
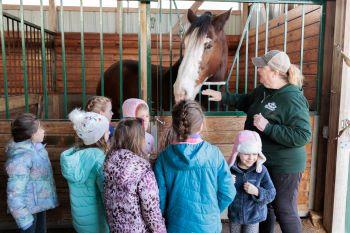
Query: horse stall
{"points": [[55, 57]]}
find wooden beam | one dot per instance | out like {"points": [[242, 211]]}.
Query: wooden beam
{"points": [[324, 110], [52, 23], [244, 14], [183, 19], [18, 101], [337, 168]]}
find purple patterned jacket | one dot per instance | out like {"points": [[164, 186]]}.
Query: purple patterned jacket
{"points": [[131, 194]]}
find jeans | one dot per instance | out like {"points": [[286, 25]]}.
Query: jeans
{"points": [[39, 224], [285, 206]]}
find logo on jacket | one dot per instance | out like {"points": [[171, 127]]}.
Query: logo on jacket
{"points": [[271, 106]]}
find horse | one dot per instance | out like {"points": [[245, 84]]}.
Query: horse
{"points": [[205, 58]]}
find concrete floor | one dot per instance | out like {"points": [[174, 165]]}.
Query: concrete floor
{"points": [[307, 228]]}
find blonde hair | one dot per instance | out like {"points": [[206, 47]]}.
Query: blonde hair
{"points": [[294, 76], [97, 104]]}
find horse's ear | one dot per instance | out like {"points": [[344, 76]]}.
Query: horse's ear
{"points": [[220, 20], [191, 16]]}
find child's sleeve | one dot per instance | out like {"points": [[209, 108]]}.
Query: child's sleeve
{"points": [[226, 187], [267, 191], [160, 178], [149, 200], [18, 171]]}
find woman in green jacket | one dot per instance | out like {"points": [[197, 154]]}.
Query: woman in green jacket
{"points": [[279, 112], [82, 166]]}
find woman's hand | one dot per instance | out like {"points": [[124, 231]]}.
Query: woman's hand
{"points": [[213, 95], [251, 189], [260, 122]]}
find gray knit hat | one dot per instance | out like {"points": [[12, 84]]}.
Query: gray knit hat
{"points": [[89, 126], [275, 59]]}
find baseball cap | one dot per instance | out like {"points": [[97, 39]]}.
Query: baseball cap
{"points": [[275, 59]]}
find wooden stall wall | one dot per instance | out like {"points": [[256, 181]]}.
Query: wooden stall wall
{"points": [[111, 55], [60, 135], [275, 41]]}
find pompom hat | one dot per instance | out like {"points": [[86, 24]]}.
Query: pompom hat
{"points": [[89, 126]]}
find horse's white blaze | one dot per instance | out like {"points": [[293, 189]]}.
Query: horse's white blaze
{"points": [[185, 86]]}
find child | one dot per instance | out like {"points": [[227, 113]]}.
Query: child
{"points": [[82, 166], [101, 105], [195, 184], [253, 184], [131, 192], [30, 187], [139, 108]]}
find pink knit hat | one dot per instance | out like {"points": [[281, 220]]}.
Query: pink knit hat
{"points": [[130, 107], [248, 142]]}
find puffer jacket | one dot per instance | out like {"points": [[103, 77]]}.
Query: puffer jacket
{"points": [[83, 170], [30, 187], [131, 194], [195, 186]]}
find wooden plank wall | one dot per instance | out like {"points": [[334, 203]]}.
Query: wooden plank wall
{"points": [[111, 55], [60, 136], [275, 41]]}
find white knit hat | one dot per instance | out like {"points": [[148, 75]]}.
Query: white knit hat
{"points": [[248, 142], [89, 126]]}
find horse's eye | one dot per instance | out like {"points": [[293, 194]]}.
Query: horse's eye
{"points": [[208, 45]]}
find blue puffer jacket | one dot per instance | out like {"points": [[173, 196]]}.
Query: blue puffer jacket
{"points": [[195, 186], [83, 169], [247, 208], [30, 187]]}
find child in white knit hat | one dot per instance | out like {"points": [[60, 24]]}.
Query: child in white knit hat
{"points": [[253, 184], [82, 167]]}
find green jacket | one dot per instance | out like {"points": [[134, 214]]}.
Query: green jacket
{"points": [[83, 170], [288, 130]]}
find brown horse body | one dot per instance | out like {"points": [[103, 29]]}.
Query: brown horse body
{"points": [[211, 66]]}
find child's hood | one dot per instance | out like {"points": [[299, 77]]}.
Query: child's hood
{"points": [[186, 156], [19, 148], [76, 165], [130, 106]]}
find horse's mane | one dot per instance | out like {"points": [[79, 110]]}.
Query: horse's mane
{"points": [[202, 23]]}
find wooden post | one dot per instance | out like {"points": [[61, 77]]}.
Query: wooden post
{"points": [[324, 108], [52, 23], [244, 14], [337, 167], [143, 49]]}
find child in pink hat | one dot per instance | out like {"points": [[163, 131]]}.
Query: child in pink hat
{"points": [[138, 108], [253, 184]]}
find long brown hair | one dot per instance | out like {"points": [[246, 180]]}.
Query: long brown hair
{"points": [[187, 118], [101, 144], [130, 135]]}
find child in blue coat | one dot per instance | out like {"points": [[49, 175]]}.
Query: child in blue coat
{"points": [[30, 187], [253, 184], [195, 184]]}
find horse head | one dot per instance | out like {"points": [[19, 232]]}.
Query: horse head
{"points": [[205, 55]]}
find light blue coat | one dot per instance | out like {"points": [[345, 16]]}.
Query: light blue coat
{"points": [[30, 186], [83, 170], [195, 186]]}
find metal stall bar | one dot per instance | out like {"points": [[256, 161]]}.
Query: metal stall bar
{"points": [[3, 54], [149, 56], [237, 75], [256, 42], [160, 88], [320, 57], [302, 37], [82, 47], [171, 53], [285, 27], [64, 68], [24, 60], [267, 27], [101, 53], [120, 34], [43, 61], [246, 61]]}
